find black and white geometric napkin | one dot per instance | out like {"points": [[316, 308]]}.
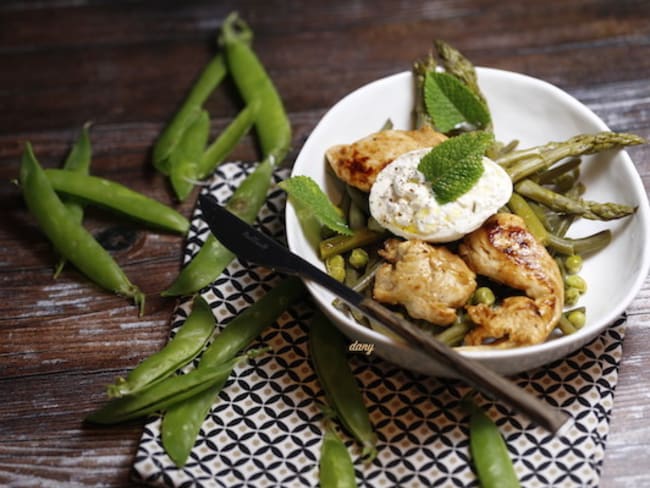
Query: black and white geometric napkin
{"points": [[265, 428]]}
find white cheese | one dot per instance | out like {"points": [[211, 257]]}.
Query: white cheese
{"points": [[402, 201]]}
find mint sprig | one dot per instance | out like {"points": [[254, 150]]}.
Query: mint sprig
{"points": [[454, 166], [449, 103], [306, 193]]}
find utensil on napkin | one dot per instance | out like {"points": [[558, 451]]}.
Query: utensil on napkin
{"points": [[247, 242]]}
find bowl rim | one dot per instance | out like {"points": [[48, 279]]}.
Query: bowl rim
{"points": [[581, 336]]}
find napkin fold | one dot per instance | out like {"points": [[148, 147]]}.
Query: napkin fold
{"points": [[265, 428]]}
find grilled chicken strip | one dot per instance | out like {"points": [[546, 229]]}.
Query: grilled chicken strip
{"points": [[430, 281], [505, 251], [359, 163]]}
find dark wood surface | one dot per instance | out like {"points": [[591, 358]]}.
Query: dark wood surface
{"points": [[125, 65]]}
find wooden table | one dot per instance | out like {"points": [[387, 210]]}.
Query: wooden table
{"points": [[126, 65]]}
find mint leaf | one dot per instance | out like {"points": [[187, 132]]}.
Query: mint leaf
{"points": [[455, 165], [308, 196], [449, 102]]}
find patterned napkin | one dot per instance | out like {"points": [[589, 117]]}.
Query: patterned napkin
{"points": [[265, 428]]}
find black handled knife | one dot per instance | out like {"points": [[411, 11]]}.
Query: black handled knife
{"points": [[247, 242]]}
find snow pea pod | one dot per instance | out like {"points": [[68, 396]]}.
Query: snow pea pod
{"points": [[213, 257], [182, 422], [489, 452], [163, 394], [184, 159], [336, 469], [327, 351], [69, 237], [78, 161], [191, 337], [213, 73], [119, 198], [218, 150], [252, 80]]}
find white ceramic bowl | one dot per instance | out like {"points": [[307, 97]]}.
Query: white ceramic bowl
{"points": [[533, 112]]}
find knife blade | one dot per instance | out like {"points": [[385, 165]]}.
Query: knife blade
{"points": [[254, 246]]}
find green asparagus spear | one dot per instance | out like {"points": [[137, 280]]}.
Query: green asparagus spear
{"points": [[525, 162], [458, 65], [420, 69], [586, 208]]}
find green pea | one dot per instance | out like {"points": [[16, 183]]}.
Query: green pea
{"points": [[571, 296], [484, 295], [77, 161], [335, 266], [577, 282], [489, 451], [327, 350], [577, 317], [68, 236], [573, 263], [191, 337], [336, 469], [253, 82], [182, 422]]}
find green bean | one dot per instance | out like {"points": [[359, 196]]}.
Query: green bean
{"points": [[561, 203], [336, 469], [207, 81], [525, 162], [182, 422], [565, 325], [359, 198], [455, 333], [551, 175], [184, 159], [67, 235], [519, 206], [340, 244], [118, 197], [253, 82], [77, 161], [213, 257], [327, 350], [191, 337], [489, 452], [218, 150], [582, 245], [164, 394]]}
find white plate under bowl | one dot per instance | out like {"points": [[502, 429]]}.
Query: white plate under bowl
{"points": [[532, 112]]}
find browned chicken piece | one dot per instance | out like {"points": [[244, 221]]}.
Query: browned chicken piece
{"points": [[504, 250], [430, 281], [359, 163]]}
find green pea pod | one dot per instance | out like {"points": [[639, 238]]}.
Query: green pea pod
{"points": [[217, 152], [117, 197], [182, 422], [336, 469], [489, 452], [213, 73], [252, 80], [67, 235], [184, 159], [213, 257], [163, 394], [188, 342], [327, 350], [78, 161]]}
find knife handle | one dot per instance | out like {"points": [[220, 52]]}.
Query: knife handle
{"points": [[471, 371]]}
